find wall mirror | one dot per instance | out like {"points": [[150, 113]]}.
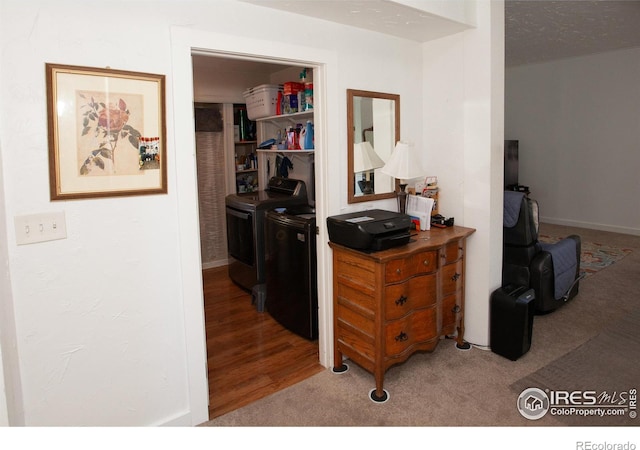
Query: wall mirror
{"points": [[373, 128]]}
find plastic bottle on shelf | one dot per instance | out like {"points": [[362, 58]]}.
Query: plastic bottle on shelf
{"points": [[293, 142], [303, 138], [306, 136], [301, 93], [308, 91]]}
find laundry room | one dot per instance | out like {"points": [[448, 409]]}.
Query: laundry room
{"points": [[248, 152], [254, 134]]}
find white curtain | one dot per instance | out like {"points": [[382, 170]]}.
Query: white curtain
{"points": [[211, 194]]}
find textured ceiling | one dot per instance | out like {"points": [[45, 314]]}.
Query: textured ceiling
{"points": [[383, 16], [537, 30]]}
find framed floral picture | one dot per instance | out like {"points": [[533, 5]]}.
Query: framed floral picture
{"points": [[107, 132]]}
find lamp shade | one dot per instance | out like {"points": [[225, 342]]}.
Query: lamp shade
{"points": [[365, 158], [403, 163]]}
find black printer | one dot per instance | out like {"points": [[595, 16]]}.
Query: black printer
{"points": [[370, 230]]}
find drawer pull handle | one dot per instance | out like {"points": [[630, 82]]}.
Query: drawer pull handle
{"points": [[426, 262], [455, 277], [398, 271], [401, 337], [401, 301], [456, 309]]}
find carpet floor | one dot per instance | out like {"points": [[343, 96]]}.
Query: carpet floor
{"points": [[609, 391], [594, 256], [450, 387]]}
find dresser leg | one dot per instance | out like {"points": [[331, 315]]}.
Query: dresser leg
{"points": [[342, 368], [461, 344], [373, 395], [379, 395], [338, 365]]}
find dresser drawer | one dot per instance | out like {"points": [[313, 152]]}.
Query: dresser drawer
{"points": [[452, 278], [358, 296], [418, 327], [401, 269], [451, 252], [415, 293], [450, 311]]}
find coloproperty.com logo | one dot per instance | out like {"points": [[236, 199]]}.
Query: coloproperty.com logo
{"points": [[534, 403]]}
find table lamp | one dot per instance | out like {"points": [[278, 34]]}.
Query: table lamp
{"points": [[365, 159], [404, 166]]}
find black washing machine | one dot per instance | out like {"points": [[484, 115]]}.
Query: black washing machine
{"points": [[245, 226], [291, 275]]}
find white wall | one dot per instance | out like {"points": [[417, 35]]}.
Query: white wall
{"points": [[11, 404], [578, 124], [463, 126], [97, 343], [330, 108], [9, 383]]}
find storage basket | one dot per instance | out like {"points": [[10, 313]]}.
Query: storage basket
{"points": [[262, 100]]}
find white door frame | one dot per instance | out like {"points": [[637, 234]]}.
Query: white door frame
{"points": [[185, 42]]}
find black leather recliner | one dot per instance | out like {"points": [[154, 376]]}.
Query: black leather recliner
{"points": [[551, 270]]}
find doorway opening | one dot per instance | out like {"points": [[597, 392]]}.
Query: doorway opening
{"points": [[249, 354]]}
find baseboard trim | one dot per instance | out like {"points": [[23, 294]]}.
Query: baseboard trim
{"points": [[180, 420], [591, 225]]}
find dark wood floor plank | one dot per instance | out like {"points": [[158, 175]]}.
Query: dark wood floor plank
{"points": [[249, 354]]}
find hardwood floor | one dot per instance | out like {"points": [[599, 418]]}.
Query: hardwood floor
{"points": [[249, 354]]}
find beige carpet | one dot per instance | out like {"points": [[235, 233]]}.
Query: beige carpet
{"points": [[449, 387], [594, 256], [617, 350]]}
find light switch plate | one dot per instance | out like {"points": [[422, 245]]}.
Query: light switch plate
{"points": [[34, 228]]}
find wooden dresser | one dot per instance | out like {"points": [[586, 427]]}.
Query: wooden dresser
{"points": [[389, 304]]}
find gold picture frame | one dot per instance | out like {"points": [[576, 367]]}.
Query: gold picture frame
{"points": [[107, 132]]}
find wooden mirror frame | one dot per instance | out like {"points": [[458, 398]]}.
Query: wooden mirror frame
{"points": [[351, 176]]}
